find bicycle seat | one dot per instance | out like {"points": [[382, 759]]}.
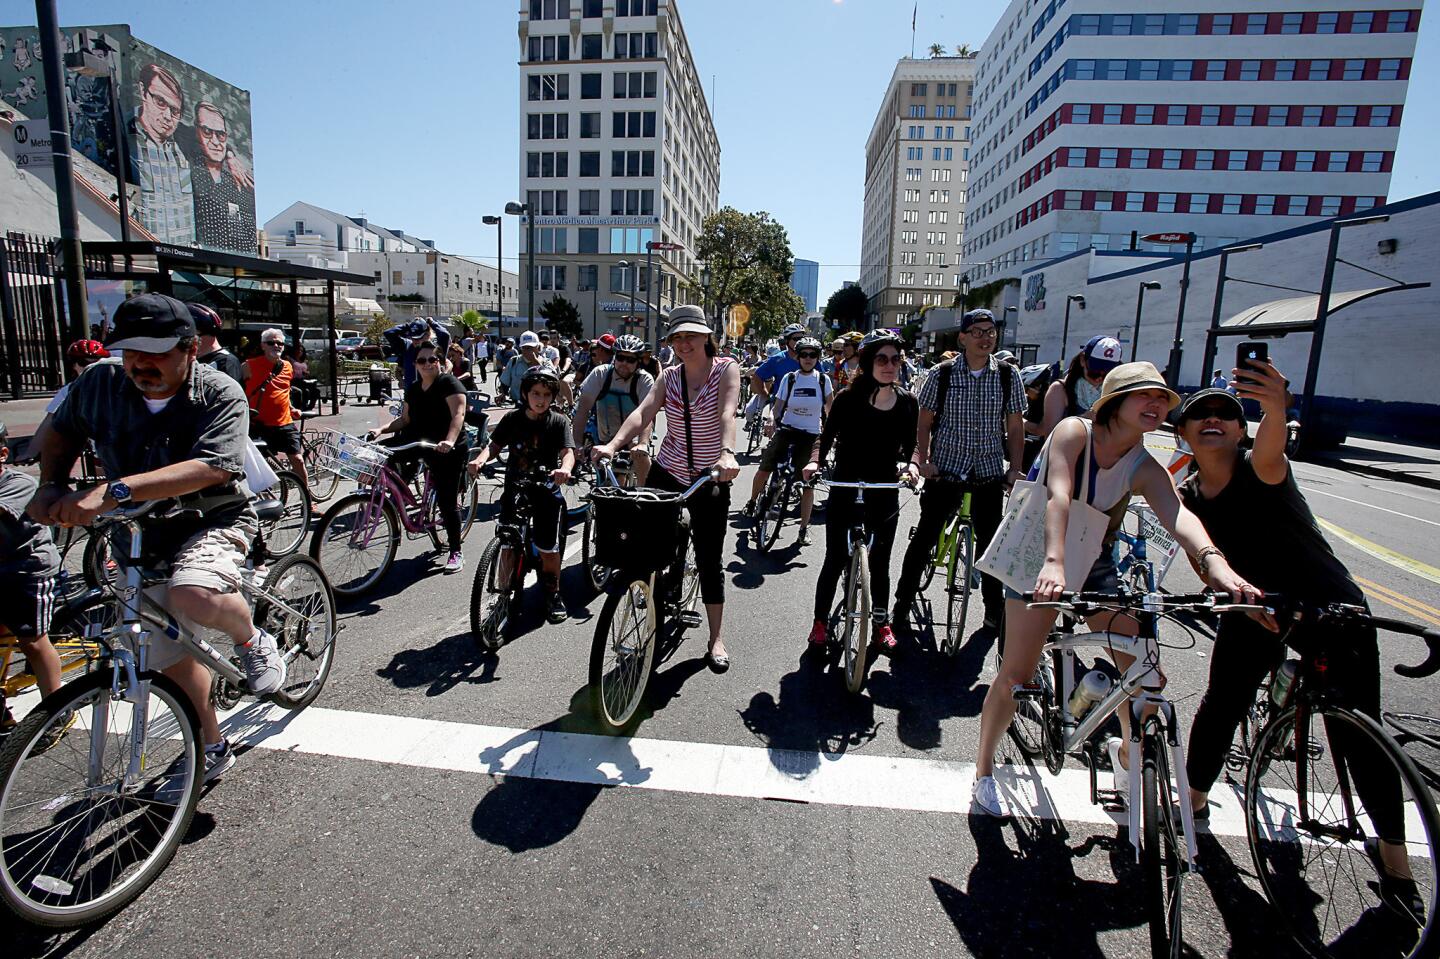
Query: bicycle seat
{"points": [[269, 510]]}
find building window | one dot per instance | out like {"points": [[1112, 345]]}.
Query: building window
{"points": [[1338, 161], [589, 126], [1204, 159], [1270, 160], [1244, 116], [1362, 22], [1381, 116], [1220, 24], [1104, 200], [1354, 70], [1265, 205], [419, 277], [1389, 70], [1326, 22], [1080, 113], [396, 278], [1255, 23], [1230, 203], [1215, 69], [1372, 162], [590, 86], [1072, 200], [1284, 69], [1075, 156], [1238, 160], [1114, 113], [1165, 203], [1134, 202], [1345, 116], [1209, 116], [1170, 160], [589, 240], [1330, 206], [1176, 114], [1199, 203], [1139, 159], [1291, 22]]}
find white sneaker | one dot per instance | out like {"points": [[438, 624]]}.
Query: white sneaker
{"points": [[987, 798], [455, 563], [1113, 747], [264, 666]]}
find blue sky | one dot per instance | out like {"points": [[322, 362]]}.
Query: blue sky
{"points": [[409, 111]]}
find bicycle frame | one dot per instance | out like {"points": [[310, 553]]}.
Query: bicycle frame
{"points": [[1140, 689]]}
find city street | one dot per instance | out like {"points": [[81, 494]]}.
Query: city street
{"points": [[436, 801]]}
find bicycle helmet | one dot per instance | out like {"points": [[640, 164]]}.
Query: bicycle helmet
{"points": [[629, 343], [544, 373], [808, 343], [86, 351], [878, 338], [854, 336], [794, 329]]}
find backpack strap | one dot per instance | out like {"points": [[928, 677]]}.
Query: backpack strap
{"points": [[945, 370]]}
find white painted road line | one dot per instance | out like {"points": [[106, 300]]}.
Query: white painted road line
{"points": [[1392, 512], [752, 772]]}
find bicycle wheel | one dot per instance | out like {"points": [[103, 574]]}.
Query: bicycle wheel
{"points": [[97, 565], [492, 599], [770, 515], [753, 445], [957, 588], [82, 833], [1419, 736], [284, 535], [855, 625], [597, 575], [689, 601], [297, 607], [355, 543], [1160, 861], [1307, 827], [323, 482], [1028, 724], [940, 557], [469, 503], [622, 656]]}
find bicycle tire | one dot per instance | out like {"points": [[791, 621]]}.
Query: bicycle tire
{"points": [[1052, 743], [754, 432], [622, 657], [110, 870], [957, 588], [1161, 870], [1028, 723], [306, 637], [283, 536], [598, 576], [323, 482], [770, 515], [1276, 829], [493, 605], [96, 564], [689, 601], [854, 634], [469, 503], [339, 555]]}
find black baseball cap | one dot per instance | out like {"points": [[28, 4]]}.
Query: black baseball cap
{"points": [[975, 316], [150, 323], [1200, 396]]}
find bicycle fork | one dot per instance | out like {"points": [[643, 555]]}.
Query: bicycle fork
{"points": [[1162, 725]]}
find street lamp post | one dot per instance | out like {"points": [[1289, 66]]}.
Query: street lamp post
{"points": [[1173, 367], [624, 271], [523, 209], [72, 259], [498, 224], [1065, 331], [1140, 305], [1221, 276]]}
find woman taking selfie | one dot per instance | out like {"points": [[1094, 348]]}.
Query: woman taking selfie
{"points": [[1106, 462]]}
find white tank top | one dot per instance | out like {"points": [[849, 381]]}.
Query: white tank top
{"points": [[1108, 485]]}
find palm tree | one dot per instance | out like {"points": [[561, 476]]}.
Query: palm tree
{"points": [[963, 50], [937, 50]]}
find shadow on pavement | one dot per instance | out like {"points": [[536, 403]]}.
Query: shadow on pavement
{"points": [[1251, 923], [749, 567], [1029, 901], [450, 662], [926, 687], [813, 714]]}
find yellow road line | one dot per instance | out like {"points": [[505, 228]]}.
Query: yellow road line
{"points": [[1414, 607], [1386, 555]]}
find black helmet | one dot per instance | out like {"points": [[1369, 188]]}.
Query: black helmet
{"points": [[543, 373], [878, 338]]}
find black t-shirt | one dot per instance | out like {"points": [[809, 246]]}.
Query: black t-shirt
{"points": [[533, 444], [226, 362], [869, 442], [429, 409], [1270, 537]]}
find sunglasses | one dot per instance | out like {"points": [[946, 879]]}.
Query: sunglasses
{"points": [[426, 360], [274, 342], [622, 358], [808, 355], [887, 359], [1217, 411]]}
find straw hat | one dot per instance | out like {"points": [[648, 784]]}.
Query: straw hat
{"points": [[1131, 378]]}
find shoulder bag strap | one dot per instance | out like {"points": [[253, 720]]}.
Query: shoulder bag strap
{"points": [[689, 437]]}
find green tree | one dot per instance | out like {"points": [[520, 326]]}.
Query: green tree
{"points": [[748, 260], [963, 50], [937, 49], [847, 307], [561, 316], [376, 327]]}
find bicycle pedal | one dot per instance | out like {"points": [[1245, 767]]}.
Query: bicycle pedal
{"points": [[1030, 691], [689, 618]]}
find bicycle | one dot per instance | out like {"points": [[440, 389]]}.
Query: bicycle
{"points": [[70, 634], [359, 534], [1302, 791], [955, 553], [88, 822], [494, 595], [286, 529], [1048, 728], [623, 652], [323, 481], [852, 613], [779, 495]]}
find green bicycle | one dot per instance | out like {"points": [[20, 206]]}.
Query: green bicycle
{"points": [[954, 553]]}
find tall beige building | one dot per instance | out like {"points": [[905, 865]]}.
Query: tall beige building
{"points": [[917, 162]]}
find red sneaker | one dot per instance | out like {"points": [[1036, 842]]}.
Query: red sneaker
{"points": [[885, 637], [819, 635]]}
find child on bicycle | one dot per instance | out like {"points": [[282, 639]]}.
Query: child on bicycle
{"points": [[539, 439], [29, 564], [1255, 513]]}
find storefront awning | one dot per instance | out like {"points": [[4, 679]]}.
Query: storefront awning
{"points": [[1297, 314]]}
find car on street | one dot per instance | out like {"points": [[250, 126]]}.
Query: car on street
{"points": [[358, 348]]}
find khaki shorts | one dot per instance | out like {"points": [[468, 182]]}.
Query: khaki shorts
{"points": [[211, 559]]}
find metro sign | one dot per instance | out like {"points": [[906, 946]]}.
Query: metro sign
{"points": [[656, 245], [1169, 238]]}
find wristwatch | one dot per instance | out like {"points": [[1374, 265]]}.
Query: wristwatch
{"points": [[119, 492]]}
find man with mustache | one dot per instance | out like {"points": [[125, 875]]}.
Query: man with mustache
{"points": [[167, 427]]}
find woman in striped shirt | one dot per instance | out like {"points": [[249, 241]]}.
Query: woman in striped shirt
{"points": [[699, 395]]}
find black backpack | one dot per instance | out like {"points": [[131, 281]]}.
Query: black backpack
{"points": [[634, 385]]}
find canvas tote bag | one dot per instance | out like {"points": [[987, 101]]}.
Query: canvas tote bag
{"points": [[1017, 552]]}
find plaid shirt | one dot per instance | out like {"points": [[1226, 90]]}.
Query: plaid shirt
{"points": [[167, 201], [968, 441]]}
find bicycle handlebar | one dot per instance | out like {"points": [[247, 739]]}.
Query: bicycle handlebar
{"points": [[1344, 613], [843, 484], [420, 444]]}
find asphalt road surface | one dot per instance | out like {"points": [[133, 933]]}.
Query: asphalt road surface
{"points": [[437, 801]]}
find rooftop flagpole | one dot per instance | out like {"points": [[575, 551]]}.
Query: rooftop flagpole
{"points": [[913, 14]]}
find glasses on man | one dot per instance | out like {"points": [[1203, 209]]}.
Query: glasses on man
{"points": [[626, 358], [211, 133], [808, 355], [171, 108], [273, 342], [982, 332]]}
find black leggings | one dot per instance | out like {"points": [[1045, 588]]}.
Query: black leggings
{"points": [[446, 471], [709, 511], [882, 513], [939, 501], [1244, 654]]}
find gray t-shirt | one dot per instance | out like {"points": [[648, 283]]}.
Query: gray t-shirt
{"points": [[618, 400], [25, 545]]}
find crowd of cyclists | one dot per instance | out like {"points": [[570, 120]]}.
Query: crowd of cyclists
{"points": [[169, 420]]}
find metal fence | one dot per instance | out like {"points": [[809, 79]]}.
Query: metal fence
{"points": [[31, 335]]}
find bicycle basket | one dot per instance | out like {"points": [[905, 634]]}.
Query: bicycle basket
{"points": [[635, 530], [351, 457]]}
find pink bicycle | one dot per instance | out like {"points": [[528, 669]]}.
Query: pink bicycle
{"points": [[356, 541]]}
